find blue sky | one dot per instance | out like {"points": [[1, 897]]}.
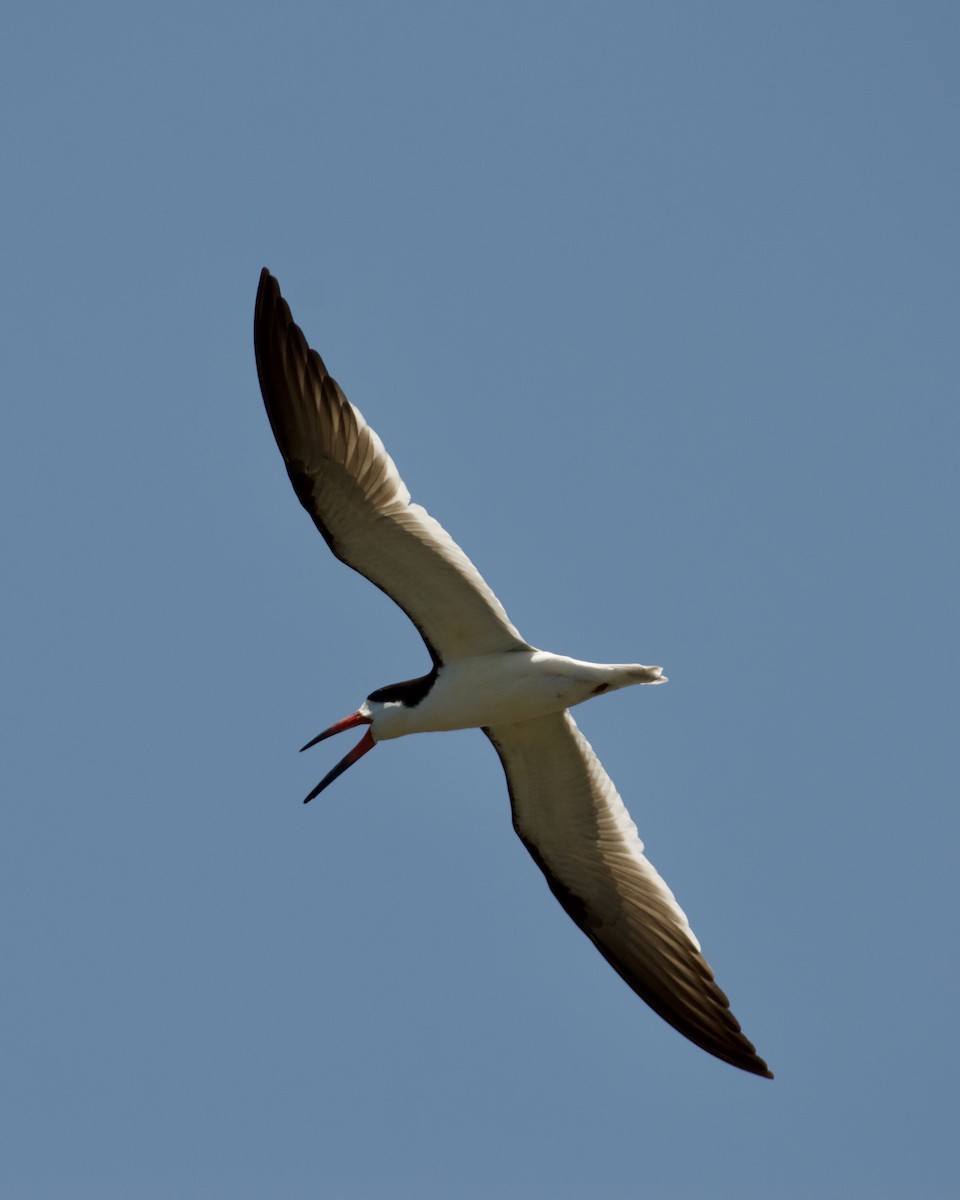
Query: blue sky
{"points": [[655, 307]]}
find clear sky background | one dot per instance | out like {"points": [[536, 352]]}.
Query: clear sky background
{"points": [[655, 307]]}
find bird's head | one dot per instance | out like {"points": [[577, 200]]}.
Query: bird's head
{"points": [[383, 710]]}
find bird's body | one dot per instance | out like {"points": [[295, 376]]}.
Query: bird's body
{"points": [[566, 809], [496, 689]]}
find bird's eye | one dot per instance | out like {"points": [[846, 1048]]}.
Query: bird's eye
{"points": [[601, 687]]}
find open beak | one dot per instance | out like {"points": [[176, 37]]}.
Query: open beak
{"points": [[366, 743]]}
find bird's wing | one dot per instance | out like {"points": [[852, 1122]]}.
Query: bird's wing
{"points": [[570, 817], [348, 484]]}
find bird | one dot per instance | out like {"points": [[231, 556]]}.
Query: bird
{"points": [[484, 674]]}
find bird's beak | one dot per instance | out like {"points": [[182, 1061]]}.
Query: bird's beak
{"points": [[366, 743]]}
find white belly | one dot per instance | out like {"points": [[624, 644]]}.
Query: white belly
{"points": [[496, 689]]}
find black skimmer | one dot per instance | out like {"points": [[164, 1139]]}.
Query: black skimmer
{"points": [[484, 674]]}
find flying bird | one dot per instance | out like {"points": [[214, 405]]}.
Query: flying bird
{"points": [[484, 674]]}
